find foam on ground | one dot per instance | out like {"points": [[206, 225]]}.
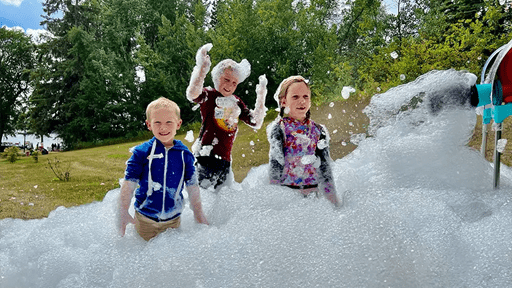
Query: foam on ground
{"points": [[419, 211]]}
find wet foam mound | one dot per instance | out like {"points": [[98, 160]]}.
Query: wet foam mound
{"points": [[419, 211]]}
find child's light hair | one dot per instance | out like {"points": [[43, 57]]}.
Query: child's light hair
{"points": [[162, 102], [241, 70], [283, 89]]}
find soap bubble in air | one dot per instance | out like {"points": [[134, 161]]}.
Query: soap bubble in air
{"points": [[345, 92], [501, 145], [190, 136]]}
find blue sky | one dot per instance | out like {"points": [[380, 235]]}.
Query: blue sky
{"points": [[27, 13], [23, 13]]}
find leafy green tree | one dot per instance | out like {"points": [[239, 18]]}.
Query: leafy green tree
{"points": [[23, 125], [169, 64], [279, 38], [16, 61], [464, 48], [362, 32], [409, 18], [169, 57], [444, 13], [87, 86]]}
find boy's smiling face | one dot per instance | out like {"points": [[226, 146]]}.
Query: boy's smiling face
{"points": [[164, 123], [298, 100], [227, 83]]}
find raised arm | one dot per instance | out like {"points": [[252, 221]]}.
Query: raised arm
{"points": [[125, 199], [202, 67], [260, 111]]}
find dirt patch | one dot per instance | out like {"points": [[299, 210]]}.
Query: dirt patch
{"points": [[343, 119]]}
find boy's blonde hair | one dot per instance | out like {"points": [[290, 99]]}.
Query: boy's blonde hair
{"points": [[283, 89], [162, 102]]}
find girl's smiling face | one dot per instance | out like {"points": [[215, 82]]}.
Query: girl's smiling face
{"points": [[297, 100]]}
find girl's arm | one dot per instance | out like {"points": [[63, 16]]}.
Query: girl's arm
{"points": [[325, 170], [202, 67], [275, 137]]}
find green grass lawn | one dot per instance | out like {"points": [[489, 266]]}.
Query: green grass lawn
{"points": [[31, 190]]}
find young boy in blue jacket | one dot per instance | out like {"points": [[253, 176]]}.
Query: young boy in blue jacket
{"points": [[161, 167]]}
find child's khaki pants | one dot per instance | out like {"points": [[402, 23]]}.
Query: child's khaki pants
{"points": [[148, 228]]}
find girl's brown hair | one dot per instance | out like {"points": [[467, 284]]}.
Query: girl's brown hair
{"points": [[283, 89]]}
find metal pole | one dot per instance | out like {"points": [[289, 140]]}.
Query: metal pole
{"points": [[497, 154], [483, 147]]}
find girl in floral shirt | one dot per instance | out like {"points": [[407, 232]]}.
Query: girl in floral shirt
{"points": [[299, 148]]}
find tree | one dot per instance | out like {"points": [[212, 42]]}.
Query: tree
{"points": [[363, 30], [464, 48], [87, 87], [279, 38], [16, 60], [444, 13], [23, 126], [58, 100], [169, 57]]}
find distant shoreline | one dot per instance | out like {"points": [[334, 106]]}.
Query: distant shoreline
{"points": [[18, 140]]}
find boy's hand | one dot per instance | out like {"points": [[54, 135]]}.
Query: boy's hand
{"points": [[200, 218], [124, 219], [195, 203], [125, 197]]}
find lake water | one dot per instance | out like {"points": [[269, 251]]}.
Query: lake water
{"points": [[18, 140]]}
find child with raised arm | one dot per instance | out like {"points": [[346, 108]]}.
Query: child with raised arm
{"points": [[161, 167], [299, 148], [220, 111]]}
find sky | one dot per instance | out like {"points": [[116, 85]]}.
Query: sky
{"points": [[22, 13], [419, 211], [27, 14]]}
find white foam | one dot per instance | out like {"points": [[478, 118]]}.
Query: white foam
{"points": [[419, 211]]}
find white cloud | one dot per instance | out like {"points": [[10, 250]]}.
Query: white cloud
{"points": [[17, 28], [12, 2], [36, 34]]}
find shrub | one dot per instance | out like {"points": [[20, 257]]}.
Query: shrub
{"points": [[35, 156], [12, 153], [62, 173]]}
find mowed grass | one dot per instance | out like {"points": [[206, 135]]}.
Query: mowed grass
{"points": [[30, 190]]}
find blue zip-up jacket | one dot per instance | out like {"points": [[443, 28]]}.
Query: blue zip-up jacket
{"points": [[171, 169]]}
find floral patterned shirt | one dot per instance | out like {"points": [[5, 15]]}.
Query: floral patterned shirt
{"points": [[299, 154]]}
